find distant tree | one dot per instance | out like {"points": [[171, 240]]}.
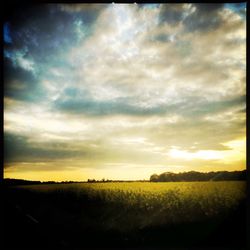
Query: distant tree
{"points": [[11, 182], [91, 180], [154, 177], [198, 176], [49, 182]]}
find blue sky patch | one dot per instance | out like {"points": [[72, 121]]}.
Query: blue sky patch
{"points": [[6, 33]]}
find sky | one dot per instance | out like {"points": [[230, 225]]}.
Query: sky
{"points": [[123, 91]]}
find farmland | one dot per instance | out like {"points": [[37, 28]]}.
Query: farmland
{"points": [[135, 213]]}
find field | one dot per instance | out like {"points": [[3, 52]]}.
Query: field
{"points": [[131, 213]]}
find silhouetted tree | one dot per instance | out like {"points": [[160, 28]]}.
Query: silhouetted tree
{"points": [[154, 177], [198, 176]]}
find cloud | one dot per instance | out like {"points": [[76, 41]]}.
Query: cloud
{"points": [[172, 13], [237, 150], [20, 148], [110, 85], [205, 17], [191, 106], [21, 84], [195, 17], [120, 106], [39, 28], [19, 59], [6, 33], [92, 8]]}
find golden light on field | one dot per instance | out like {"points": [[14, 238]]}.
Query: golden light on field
{"points": [[124, 92]]}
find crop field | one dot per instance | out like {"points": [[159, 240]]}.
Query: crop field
{"points": [[134, 213]]}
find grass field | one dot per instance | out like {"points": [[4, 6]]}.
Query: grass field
{"points": [[131, 213]]}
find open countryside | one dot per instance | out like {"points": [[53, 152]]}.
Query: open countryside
{"points": [[124, 125], [136, 213]]}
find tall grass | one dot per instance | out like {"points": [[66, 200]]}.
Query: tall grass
{"points": [[136, 205]]}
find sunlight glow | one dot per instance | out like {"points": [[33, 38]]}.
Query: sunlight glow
{"points": [[202, 154], [236, 152]]}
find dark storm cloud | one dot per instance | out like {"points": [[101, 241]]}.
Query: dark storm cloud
{"points": [[208, 7], [6, 33], [44, 29], [25, 20], [171, 13], [239, 8], [37, 34], [81, 102], [202, 108], [21, 84], [162, 38], [18, 148], [102, 108], [204, 18]]}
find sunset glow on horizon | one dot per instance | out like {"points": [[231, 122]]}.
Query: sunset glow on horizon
{"points": [[123, 91]]}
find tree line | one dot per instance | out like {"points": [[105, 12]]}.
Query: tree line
{"points": [[199, 176], [9, 181], [164, 177], [18, 182]]}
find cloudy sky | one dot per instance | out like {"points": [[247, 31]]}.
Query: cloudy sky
{"points": [[123, 91]]}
